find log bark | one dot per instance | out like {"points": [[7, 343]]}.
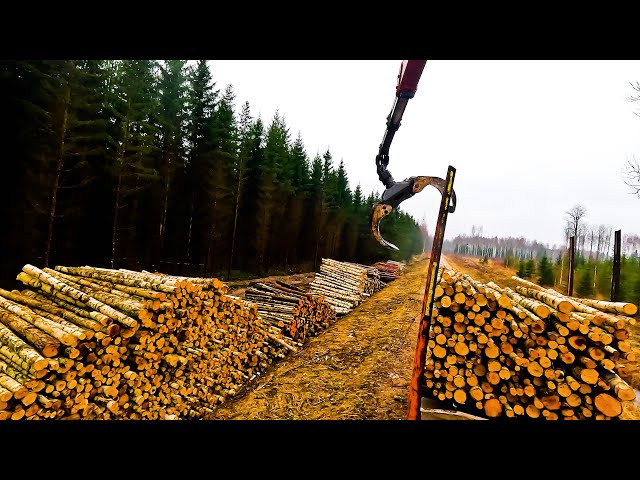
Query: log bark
{"points": [[47, 345], [80, 296]]}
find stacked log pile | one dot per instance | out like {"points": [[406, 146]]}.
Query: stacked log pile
{"points": [[529, 352], [373, 283], [296, 313], [345, 285], [94, 343], [389, 270]]}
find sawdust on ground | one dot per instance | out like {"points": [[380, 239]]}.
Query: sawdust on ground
{"points": [[360, 368]]}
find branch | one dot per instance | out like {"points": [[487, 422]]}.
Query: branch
{"points": [[631, 173]]}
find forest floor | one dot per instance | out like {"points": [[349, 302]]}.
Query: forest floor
{"points": [[360, 368]]}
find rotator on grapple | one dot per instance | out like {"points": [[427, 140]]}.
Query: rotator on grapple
{"points": [[397, 192]]}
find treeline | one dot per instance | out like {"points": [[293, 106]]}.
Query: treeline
{"points": [[593, 242], [146, 164], [495, 247], [591, 278]]}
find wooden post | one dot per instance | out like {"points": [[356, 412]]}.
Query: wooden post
{"points": [[615, 274], [419, 358], [572, 252]]}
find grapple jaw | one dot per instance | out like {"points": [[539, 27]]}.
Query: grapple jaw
{"points": [[396, 194], [378, 212]]}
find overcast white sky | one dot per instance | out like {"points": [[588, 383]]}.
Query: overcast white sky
{"points": [[529, 139]]}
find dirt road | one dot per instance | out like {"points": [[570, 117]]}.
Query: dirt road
{"points": [[359, 368]]}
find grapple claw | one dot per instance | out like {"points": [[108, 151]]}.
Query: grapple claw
{"points": [[378, 212]]}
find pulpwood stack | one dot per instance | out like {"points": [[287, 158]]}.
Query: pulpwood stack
{"points": [[345, 285], [295, 312], [389, 270], [529, 352], [93, 343]]}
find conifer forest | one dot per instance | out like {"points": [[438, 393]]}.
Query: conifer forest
{"points": [[145, 164]]}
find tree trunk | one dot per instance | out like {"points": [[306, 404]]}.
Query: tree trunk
{"points": [[235, 222], [118, 191], [164, 205], [58, 173]]}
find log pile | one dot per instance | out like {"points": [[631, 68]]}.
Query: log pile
{"points": [[345, 285], [296, 313], [389, 270], [373, 283], [529, 352], [94, 343]]}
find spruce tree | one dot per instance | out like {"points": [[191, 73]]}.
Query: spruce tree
{"points": [[278, 159], [201, 101], [219, 183], [317, 210], [172, 85], [530, 268], [522, 268], [356, 216], [546, 272], [584, 288], [250, 203], [28, 141], [244, 152], [294, 218], [131, 100]]}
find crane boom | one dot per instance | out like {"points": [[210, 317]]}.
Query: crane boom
{"points": [[397, 192]]}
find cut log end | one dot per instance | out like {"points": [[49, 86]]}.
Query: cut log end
{"points": [[608, 405], [492, 407]]}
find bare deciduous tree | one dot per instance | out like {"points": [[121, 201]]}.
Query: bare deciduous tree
{"points": [[607, 240], [582, 238], [575, 214], [592, 235], [631, 173], [602, 233], [635, 98], [426, 238]]}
